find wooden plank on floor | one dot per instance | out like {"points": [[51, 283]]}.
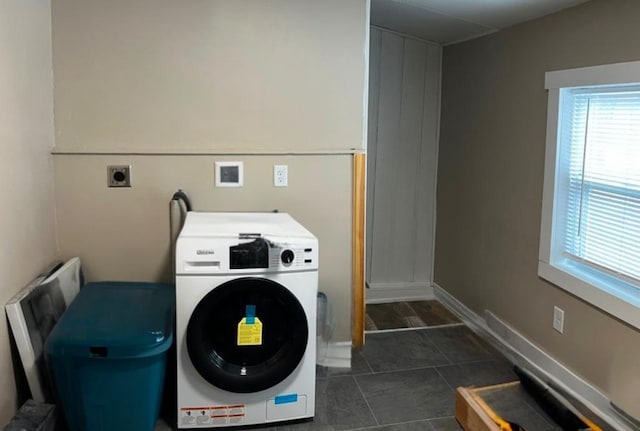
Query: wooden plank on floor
{"points": [[484, 408], [469, 413]]}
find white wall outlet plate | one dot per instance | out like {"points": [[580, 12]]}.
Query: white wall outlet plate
{"points": [[558, 319], [280, 176], [229, 174]]}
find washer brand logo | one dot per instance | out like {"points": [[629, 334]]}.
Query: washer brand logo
{"points": [[205, 252]]}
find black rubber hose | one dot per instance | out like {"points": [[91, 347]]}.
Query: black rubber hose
{"points": [[180, 195]]}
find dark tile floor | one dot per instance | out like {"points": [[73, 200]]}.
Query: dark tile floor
{"points": [[416, 314], [403, 381]]}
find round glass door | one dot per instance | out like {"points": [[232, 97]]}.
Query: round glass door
{"points": [[247, 335]]}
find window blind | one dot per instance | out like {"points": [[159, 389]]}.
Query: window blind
{"points": [[600, 160]]}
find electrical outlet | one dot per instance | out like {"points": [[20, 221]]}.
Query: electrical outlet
{"points": [[119, 176], [280, 176], [558, 319]]}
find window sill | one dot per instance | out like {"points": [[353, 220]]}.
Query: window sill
{"points": [[615, 298]]}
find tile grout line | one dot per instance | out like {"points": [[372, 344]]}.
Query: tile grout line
{"points": [[433, 427], [435, 367], [366, 401], [428, 342], [442, 417], [400, 423], [445, 380], [449, 363], [434, 344], [398, 370], [366, 361]]}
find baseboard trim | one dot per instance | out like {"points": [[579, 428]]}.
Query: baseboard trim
{"points": [[378, 293], [338, 355], [463, 312], [526, 354]]}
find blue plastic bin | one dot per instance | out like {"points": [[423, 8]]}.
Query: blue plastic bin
{"points": [[107, 355]]}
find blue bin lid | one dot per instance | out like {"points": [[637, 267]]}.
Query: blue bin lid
{"points": [[116, 320]]}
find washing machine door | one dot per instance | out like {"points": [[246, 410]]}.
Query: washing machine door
{"points": [[247, 335]]}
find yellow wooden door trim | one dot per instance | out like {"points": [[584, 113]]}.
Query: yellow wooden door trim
{"points": [[359, 178]]}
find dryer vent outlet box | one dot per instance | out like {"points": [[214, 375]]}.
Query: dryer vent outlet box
{"points": [[119, 176]]}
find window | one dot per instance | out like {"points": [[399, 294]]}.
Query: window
{"points": [[590, 235]]}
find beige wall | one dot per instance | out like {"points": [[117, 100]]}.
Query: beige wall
{"points": [[261, 79], [490, 185], [196, 75], [26, 137], [123, 233]]}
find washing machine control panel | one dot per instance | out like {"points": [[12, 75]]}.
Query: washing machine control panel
{"points": [[291, 256], [249, 254]]}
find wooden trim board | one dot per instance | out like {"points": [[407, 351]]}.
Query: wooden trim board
{"points": [[470, 412], [359, 172]]}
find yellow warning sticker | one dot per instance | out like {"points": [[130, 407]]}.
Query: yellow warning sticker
{"points": [[250, 334]]}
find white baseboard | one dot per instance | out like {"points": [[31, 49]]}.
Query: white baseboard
{"points": [[378, 293], [524, 353], [465, 314], [337, 355]]}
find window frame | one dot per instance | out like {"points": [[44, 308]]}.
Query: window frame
{"points": [[614, 296]]}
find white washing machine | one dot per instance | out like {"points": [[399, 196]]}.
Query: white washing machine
{"points": [[246, 289]]}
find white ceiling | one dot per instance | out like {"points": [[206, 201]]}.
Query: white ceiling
{"points": [[451, 21]]}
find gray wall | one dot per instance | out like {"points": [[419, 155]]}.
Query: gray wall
{"points": [[27, 223], [490, 185], [401, 167], [170, 87]]}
